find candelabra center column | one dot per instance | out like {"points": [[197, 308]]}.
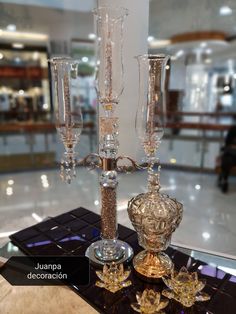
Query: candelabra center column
{"points": [[109, 87]]}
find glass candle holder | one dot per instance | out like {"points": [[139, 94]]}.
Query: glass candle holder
{"points": [[109, 87], [151, 113], [109, 73], [154, 216], [68, 113]]}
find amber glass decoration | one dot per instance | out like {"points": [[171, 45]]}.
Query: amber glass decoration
{"points": [[154, 215], [185, 287], [149, 302], [113, 277]]}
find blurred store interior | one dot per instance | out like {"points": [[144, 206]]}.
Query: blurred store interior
{"points": [[199, 36]]}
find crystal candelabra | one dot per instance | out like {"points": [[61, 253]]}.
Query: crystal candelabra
{"points": [[154, 216]]}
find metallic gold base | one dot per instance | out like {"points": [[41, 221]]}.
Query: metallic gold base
{"points": [[152, 265]]}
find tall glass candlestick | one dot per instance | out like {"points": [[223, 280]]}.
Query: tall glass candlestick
{"points": [[68, 114], [109, 86]]}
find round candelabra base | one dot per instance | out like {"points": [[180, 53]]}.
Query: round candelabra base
{"points": [[107, 251], [153, 265]]}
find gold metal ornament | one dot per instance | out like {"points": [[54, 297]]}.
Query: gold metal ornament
{"points": [[185, 287], [113, 277], [155, 216], [149, 302]]}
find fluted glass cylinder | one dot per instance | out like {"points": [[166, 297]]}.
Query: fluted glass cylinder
{"points": [[151, 113], [109, 74], [68, 113]]}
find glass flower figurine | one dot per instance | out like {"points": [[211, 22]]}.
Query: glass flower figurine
{"points": [[68, 114], [113, 277], [149, 302], [185, 287], [154, 216]]}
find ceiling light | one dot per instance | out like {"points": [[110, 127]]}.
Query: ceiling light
{"points": [[208, 61], [11, 27], [21, 92], [234, 76], [17, 59], [150, 38], [225, 10], [203, 44], [92, 36], [167, 67], [23, 36], [1, 56], [96, 202], [197, 186], [158, 43], [173, 161], [226, 88], [18, 46], [10, 182], [85, 59], [45, 106], [35, 55], [9, 190], [45, 184], [208, 50]]}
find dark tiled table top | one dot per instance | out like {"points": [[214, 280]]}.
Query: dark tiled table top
{"points": [[71, 233]]}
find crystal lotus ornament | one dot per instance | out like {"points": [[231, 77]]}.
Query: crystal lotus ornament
{"points": [[149, 302], [68, 114], [113, 277], [185, 287]]}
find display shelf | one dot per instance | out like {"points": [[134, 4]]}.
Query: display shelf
{"points": [[80, 228]]}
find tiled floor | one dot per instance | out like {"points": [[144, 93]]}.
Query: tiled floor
{"points": [[209, 216]]}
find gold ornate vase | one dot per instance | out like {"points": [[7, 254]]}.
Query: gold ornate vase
{"points": [[155, 216]]}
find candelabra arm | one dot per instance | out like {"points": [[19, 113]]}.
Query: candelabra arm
{"points": [[92, 160], [129, 168]]}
